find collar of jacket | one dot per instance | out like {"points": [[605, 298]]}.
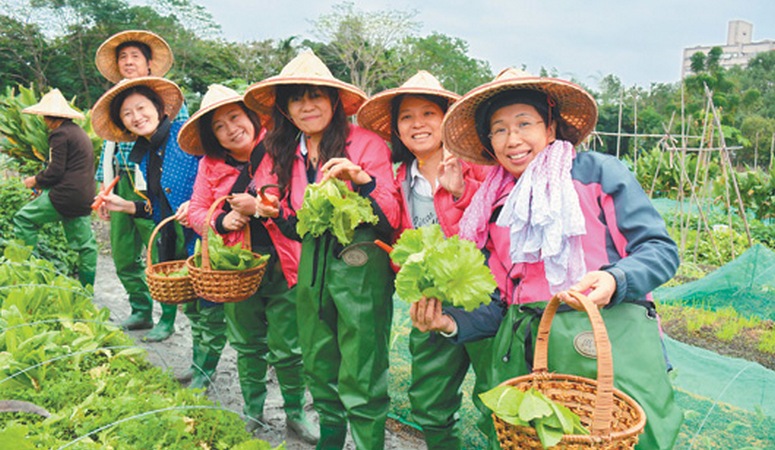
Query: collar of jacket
{"points": [[143, 145]]}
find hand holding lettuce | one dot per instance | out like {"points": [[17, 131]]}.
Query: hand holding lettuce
{"points": [[448, 269], [331, 206]]}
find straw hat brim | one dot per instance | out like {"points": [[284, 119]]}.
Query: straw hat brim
{"points": [[375, 114], [170, 95], [189, 137], [54, 109], [161, 53], [260, 97], [577, 109]]}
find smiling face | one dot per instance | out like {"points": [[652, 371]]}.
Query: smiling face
{"points": [[234, 130], [139, 115], [419, 125], [311, 112], [132, 63], [517, 135]]}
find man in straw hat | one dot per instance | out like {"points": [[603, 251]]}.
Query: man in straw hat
{"points": [[344, 294], [67, 185], [435, 188], [553, 221], [128, 55]]}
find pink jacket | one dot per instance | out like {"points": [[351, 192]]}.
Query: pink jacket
{"points": [[448, 211], [214, 180], [625, 236], [369, 151]]}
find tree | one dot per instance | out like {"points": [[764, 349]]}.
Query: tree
{"points": [[697, 62], [712, 61], [362, 41]]}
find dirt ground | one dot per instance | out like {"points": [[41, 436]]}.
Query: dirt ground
{"points": [[175, 354]]}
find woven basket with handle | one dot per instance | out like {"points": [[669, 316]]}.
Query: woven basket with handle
{"points": [[613, 418], [223, 286], [163, 288]]}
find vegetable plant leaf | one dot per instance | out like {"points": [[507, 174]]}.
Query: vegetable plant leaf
{"points": [[332, 207], [451, 270]]}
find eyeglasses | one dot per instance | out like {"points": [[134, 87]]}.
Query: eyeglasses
{"points": [[522, 127]]}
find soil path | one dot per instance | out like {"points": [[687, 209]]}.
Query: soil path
{"points": [[175, 355]]}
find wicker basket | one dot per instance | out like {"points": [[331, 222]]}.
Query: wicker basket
{"points": [[166, 289], [224, 286], [613, 418]]}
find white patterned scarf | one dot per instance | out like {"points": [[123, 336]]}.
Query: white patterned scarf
{"points": [[542, 213]]}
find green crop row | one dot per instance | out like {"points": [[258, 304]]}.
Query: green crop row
{"points": [[58, 352]]}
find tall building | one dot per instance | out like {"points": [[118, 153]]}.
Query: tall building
{"points": [[738, 50]]}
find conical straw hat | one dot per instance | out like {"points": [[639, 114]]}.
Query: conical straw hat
{"points": [[306, 68], [375, 114], [576, 108], [161, 53], [216, 96], [53, 104], [104, 126]]}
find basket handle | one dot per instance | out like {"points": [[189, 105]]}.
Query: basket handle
{"points": [[604, 398], [205, 234], [152, 239]]}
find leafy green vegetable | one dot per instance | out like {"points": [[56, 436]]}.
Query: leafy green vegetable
{"points": [[331, 206], [531, 408], [451, 270], [224, 257]]}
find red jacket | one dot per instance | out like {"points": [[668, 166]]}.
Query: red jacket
{"points": [[448, 210], [214, 180]]}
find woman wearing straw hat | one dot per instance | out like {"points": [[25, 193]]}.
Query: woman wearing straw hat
{"points": [[127, 55], [344, 303], [262, 329], [66, 183], [140, 110], [436, 187], [553, 220]]}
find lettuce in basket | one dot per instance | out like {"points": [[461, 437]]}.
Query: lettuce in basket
{"points": [[531, 408], [449, 269], [331, 206], [224, 257]]}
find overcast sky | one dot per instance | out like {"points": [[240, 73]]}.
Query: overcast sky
{"points": [[639, 41]]}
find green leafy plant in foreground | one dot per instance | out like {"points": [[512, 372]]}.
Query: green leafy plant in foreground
{"points": [[533, 409], [332, 206], [451, 270]]}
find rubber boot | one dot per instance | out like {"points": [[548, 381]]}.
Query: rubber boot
{"points": [[204, 377], [141, 317], [303, 428], [331, 437], [86, 278], [166, 325], [137, 321]]}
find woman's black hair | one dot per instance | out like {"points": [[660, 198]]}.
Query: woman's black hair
{"points": [[282, 139], [401, 154], [145, 91], [144, 48], [210, 143], [537, 99]]}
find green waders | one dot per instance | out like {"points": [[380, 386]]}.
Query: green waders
{"points": [[263, 330], [345, 309], [128, 239], [639, 364], [438, 370], [208, 337], [28, 220]]}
